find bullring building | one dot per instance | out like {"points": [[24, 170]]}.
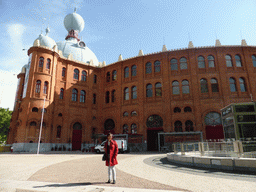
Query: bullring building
{"points": [[171, 91]]}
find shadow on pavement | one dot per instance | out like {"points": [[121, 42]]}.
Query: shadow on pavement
{"points": [[71, 184]]}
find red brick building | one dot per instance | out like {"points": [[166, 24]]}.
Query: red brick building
{"points": [[171, 91]]}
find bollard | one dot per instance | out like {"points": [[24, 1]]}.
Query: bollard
{"points": [[182, 149], [201, 148], [174, 148]]}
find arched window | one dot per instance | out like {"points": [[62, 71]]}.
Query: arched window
{"points": [[204, 86], [214, 85], [158, 88], [238, 61], [114, 75], [108, 77], [84, 75], [41, 62], [134, 113], [210, 59], [125, 129], [44, 110], [48, 64], [109, 124], [157, 66], [189, 126], [126, 93], [34, 109], [94, 98], [61, 93], [113, 96], [201, 63], [254, 60], [232, 83], [228, 61], [63, 72], [58, 132], [134, 70], [212, 118], [107, 97], [125, 114], [154, 121], [183, 63], [126, 72], [177, 110], [38, 86], [187, 109], [149, 91], [76, 74], [94, 79], [185, 87], [175, 88], [178, 126], [174, 64], [82, 96], [242, 84], [148, 68], [134, 128], [45, 87], [134, 92], [60, 114], [33, 123], [74, 94]]}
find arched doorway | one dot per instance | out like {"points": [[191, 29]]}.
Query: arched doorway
{"points": [[213, 128], [154, 124], [77, 136], [109, 126]]}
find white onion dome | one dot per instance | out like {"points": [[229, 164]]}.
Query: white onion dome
{"points": [[74, 21], [45, 40], [78, 51]]}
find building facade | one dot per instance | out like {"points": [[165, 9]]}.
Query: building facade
{"points": [[170, 91]]}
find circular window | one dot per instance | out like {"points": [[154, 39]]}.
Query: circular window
{"points": [[212, 118]]}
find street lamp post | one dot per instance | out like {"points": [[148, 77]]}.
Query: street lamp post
{"points": [[40, 132]]}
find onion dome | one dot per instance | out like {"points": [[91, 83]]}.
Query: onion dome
{"points": [[44, 40], [74, 24], [78, 50], [73, 48]]}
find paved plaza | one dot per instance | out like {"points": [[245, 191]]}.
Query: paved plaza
{"points": [[135, 172]]}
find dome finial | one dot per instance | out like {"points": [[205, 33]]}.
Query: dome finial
{"points": [[75, 10], [47, 31]]}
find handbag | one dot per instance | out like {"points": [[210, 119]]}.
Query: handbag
{"points": [[104, 157]]}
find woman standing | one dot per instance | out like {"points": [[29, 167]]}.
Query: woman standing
{"points": [[111, 150]]}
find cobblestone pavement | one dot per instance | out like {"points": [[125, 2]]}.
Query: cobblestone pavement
{"points": [[69, 172], [135, 173]]}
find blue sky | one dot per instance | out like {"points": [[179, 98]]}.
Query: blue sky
{"points": [[114, 27]]}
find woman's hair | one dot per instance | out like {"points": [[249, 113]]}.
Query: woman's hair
{"points": [[110, 134]]}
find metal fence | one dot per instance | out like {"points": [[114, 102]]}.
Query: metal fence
{"points": [[242, 149]]}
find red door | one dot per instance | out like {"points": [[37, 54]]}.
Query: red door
{"points": [[214, 132], [76, 140]]}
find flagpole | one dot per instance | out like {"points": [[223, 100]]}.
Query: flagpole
{"points": [[40, 132]]}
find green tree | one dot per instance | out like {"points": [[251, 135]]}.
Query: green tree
{"points": [[5, 118]]}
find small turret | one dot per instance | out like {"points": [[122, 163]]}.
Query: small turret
{"points": [[120, 58], [141, 53], [243, 42], [164, 48], [190, 44], [217, 43]]}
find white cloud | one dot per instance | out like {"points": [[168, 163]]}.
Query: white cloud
{"points": [[13, 57], [8, 86]]}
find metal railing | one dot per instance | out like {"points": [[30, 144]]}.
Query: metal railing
{"points": [[242, 149]]}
